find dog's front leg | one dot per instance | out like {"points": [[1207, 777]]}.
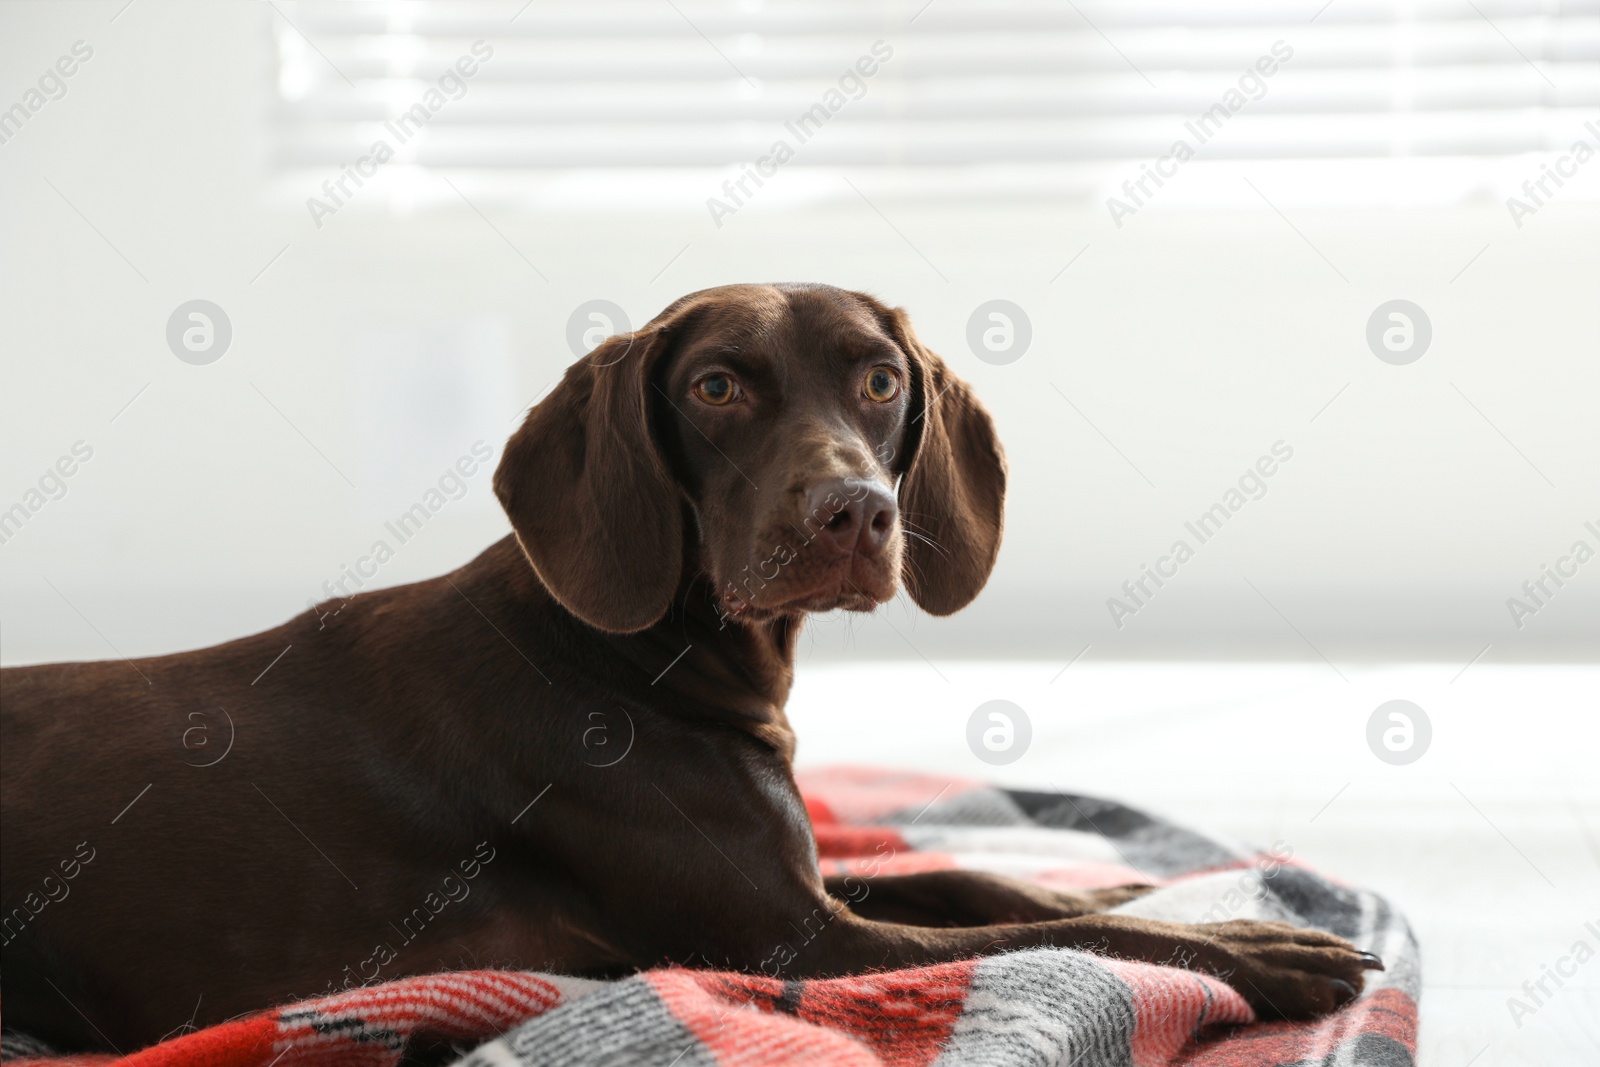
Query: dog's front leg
{"points": [[969, 898], [1281, 970], [727, 878]]}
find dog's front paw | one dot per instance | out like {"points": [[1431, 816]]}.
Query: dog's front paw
{"points": [[1285, 972]]}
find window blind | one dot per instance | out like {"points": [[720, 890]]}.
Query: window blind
{"points": [[971, 98]]}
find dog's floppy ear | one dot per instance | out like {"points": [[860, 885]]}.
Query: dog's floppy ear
{"points": [[589, 494], [953, 482]]}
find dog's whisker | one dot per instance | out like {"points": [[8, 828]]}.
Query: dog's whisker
{"points": [[930, 542], [911, 530]]}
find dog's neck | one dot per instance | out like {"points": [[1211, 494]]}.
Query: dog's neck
{"points": [[719, 670], [734, 672]]}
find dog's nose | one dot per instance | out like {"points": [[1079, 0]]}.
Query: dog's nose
{"points": [[850, 515]]}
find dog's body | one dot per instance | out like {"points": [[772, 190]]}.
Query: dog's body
{"points": [[579, 765]]}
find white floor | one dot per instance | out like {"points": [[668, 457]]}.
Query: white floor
{"points": [[1490, 842]]}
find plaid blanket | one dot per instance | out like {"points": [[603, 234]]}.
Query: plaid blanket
{"points": [[1042, 1006]]}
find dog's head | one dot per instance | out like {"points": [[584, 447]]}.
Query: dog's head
{"points": [[798, 438]]}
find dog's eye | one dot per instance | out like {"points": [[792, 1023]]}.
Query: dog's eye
{"points": [[716, 390], [882, 385]]}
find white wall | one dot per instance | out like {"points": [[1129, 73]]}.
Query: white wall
{"points": [[1415, 504]]}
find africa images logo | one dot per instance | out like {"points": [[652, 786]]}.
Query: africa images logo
{"points": [[452, 85], [1252, 85]]}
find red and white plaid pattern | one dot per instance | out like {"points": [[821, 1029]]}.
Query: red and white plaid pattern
{"points": [[1036, 1006]]}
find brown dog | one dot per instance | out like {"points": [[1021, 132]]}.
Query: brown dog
{"points": [[412, 785]]}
